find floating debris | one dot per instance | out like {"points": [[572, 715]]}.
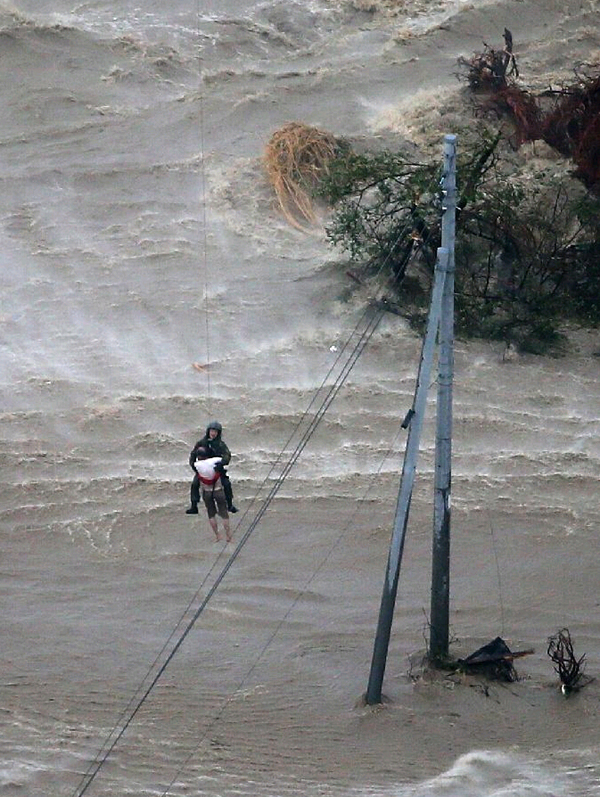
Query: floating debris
{"points": [[494, 660], [297, 157]]}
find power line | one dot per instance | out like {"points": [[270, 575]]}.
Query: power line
{"points": [[125, 716], [334, 545], [134, 705], [344, 362]]}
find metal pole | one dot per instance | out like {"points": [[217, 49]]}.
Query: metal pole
{"points": [[390, 586], [440, 574]]}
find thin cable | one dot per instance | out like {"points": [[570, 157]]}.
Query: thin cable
{"points": [[333, 546], [109, 745], [372, 319], [203, 206], [367, 318], [354, 355], [497, 572]]}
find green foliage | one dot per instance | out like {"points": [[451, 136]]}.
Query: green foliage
{"points": [[527, 250], [379, 200]]}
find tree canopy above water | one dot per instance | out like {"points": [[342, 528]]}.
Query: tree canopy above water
{"points": [[527, 237]]}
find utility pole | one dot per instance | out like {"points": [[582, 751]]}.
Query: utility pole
{"points": [[414, 421], [440, 572]]}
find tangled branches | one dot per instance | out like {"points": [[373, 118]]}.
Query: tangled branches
{"points": [[297, 157], [568, 667], [491, 71], [571, 126], [491, 67]]}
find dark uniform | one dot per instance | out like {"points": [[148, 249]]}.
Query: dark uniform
{"points": [[215, 447]]}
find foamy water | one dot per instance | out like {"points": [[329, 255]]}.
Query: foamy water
{"points": [[140, 238]]}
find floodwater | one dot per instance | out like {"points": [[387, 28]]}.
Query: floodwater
{"points": [[149, 284]]}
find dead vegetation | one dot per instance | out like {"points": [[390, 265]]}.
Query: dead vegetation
{"points": [[567, 118], [491, 69], [568, 667], [297, 157], [573, 127]]}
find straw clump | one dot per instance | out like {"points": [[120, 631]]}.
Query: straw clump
{"points": [[297, 158]]}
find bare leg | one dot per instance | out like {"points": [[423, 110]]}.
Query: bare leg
{"points": [[227, 528], [214, 527]]}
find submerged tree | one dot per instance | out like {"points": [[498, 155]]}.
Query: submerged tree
{"points": [[526, 251], [568, 667], [527, 244], [567, 118]]}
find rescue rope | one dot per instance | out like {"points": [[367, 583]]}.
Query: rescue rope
{"points": [[127, 714], [203, 206]]}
